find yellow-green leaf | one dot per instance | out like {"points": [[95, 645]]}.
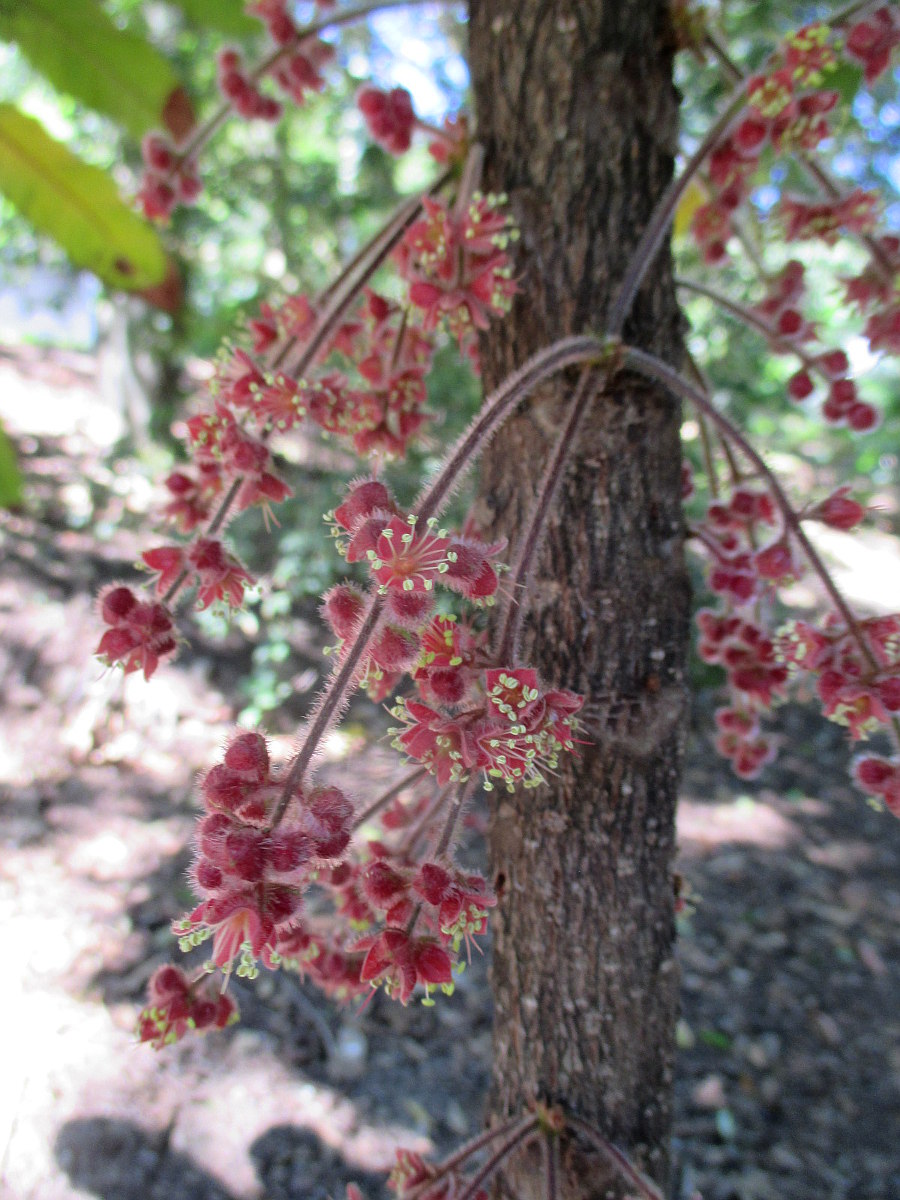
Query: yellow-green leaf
{"points": [[10, 476], [692, 199], [82, 52], [223, 16], [77, 205]]}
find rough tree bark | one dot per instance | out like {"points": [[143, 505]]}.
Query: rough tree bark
{"points": [[577, 112]]}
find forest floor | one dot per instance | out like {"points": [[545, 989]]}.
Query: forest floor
{"points": [[788, 1081]]}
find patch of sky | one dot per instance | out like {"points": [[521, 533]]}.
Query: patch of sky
{"points": [[411, 50], [766, 197], [46, 304]]}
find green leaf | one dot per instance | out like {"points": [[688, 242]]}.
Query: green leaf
{"points": [[77, 205], [10, 476], [845, 79], [85, 54], [224, 16], [715, 1038]]}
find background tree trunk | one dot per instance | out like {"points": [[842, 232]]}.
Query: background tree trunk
{"points": [[577, 113]]}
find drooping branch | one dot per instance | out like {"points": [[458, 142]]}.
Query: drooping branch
{"points": [[348, 16], [530, 538], [567, 352], [658, 226], [746, 314], [655, 232], [506, 1129], [807, 159], [613, 1155], [655, 368], [498, 406]]}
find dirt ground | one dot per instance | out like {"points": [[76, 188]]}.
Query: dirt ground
{"points": [[789, 1071]]}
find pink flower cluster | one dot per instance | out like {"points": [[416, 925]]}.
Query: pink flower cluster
{"points": [[880, 777], [858, 688], [256, 855], [206, 564], [170, 172], [391, 121], [856, 671], [170, 177], [511, 729], [406, 563], [873, 292], [457, 264], [389, 117], [140, 634], [791, 333], [452, 903], [857, 674], [825, 219], [175, 1005], [871, 41], [788, 108]]}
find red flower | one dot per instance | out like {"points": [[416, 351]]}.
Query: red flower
{"points": [[880, 777], [776, 561], [457, 265], [839, 510], [400, 962], [808, 53], [461, 900], [406, 560], [220, 575], [192, 497], [445, 745], [389, 117], [469, 569], [175, 1005], [871, 41], [167, 562], [141, 635]]}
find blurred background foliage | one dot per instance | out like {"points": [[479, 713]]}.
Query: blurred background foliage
{"points": [[282, 207]]}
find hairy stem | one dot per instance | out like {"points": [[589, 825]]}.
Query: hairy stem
{"points": [[211, 530], [400, 219], [407, 846], [543, 501], [705, 440], [567, 352], [342, 299], [464, 793], [616, 1158], [339, 687], [550, 1146], [467, 1150], [498, 1158], [471, 178], [658, 225]]}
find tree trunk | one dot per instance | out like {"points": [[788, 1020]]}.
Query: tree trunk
{"points": [[577, 112]]}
